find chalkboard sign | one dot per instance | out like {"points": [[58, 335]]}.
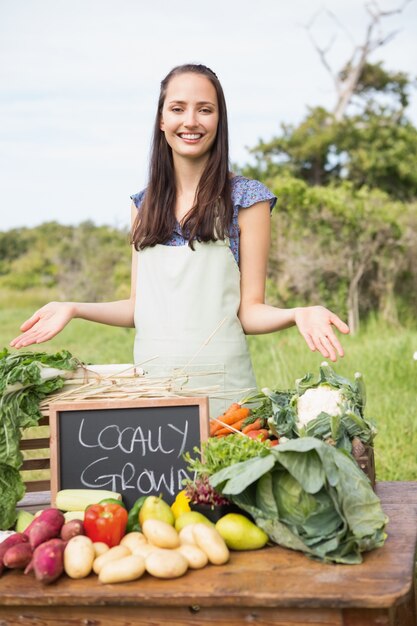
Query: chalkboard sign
{"points": [[134, 447]]}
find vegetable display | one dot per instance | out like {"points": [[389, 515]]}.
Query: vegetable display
{"points": [[25, 379], [49, 548], [268, 455], [309, 496]]}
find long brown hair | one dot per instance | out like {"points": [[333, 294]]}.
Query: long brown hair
{"points": [[211, 216]]}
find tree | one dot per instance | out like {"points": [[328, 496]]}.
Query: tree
{"points": [[84, 262], [329, 241], [358, 75], [366, 137]]}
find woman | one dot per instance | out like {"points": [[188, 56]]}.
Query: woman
{"points": [[194, 303]]}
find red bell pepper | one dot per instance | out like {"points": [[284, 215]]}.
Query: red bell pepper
{"points": [[106, 523]]}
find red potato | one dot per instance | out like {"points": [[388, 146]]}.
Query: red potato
{"points": [[47, 526], [72, 529], [11, 541], [48, 561], [18, 556]]}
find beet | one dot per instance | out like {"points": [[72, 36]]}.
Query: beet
{"points": [[11, 541], [47, 526], [47, 561], [18, 556]]}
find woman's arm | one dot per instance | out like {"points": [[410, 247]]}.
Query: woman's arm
{"points": [[50, 319], [315, 323]]}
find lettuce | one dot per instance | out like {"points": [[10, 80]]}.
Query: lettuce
{"points": [[308, 496], [26, 378], [11, 491]]}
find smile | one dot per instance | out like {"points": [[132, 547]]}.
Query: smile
{"points": [[190, 136]]}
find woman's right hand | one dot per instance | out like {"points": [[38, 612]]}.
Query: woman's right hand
{"points": [[44, 324]]}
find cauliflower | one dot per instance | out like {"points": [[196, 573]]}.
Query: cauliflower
{"points": [[330, 408], [321, 399]]}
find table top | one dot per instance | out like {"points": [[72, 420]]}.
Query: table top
{"points": [[271, 577]]}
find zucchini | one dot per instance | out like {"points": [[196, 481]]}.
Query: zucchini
{"points": [[80, 499]]}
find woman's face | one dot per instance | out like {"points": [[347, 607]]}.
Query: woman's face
{"points": [[190, 116]]}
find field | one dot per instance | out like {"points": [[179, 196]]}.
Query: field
{"points": [[383, 354]]}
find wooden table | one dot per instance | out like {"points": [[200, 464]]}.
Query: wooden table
{"points": [[273, 586]]}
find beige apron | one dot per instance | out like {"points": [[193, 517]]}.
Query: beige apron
{"points": [[181, 298]]}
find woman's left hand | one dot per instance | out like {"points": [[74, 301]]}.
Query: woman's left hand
{"points": [[315, 323]]}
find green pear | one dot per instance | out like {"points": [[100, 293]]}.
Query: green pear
{"points": [[156, 508], [24, 518], [240, 533], [191, 517]]}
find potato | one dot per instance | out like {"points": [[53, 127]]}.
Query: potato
{"points": [[79, 557], [72, 529], [123, 570], [133, 540], [195, 556], [187, 536], [144, 549], [160, 534], [113, 554], [211, 542], [166, 563], [100, 548]]}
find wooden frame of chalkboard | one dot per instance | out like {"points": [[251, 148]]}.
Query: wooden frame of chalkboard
{"points": [[133, 447]]}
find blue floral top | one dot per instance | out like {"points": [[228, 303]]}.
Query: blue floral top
{"points": [[245, 193]]}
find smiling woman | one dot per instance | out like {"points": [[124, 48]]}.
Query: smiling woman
{"points": [[190, 125], [200, 240]]}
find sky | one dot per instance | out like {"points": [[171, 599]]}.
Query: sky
{"points": [[79, 82]]}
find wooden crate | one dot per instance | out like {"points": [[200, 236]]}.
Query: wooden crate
{"points": [[366, 462], [39, 459]]}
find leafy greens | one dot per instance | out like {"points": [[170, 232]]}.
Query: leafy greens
{"points": [[26, 378], [308, 496]]}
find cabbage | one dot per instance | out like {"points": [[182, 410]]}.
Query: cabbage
{"points": [[308, 496]]}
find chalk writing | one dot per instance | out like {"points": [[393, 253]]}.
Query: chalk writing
{"points": [[134, 450]]}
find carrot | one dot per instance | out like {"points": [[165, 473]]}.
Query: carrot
{"points": [[256, 425], [261, 434], [232, 408], [226, 431], [215, 425], [231, 418]]}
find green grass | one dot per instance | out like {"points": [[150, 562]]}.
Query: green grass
{"points": [[383, 354]]}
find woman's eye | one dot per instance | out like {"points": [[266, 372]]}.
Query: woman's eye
{"points": [[176, 109], [206, 110]]}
